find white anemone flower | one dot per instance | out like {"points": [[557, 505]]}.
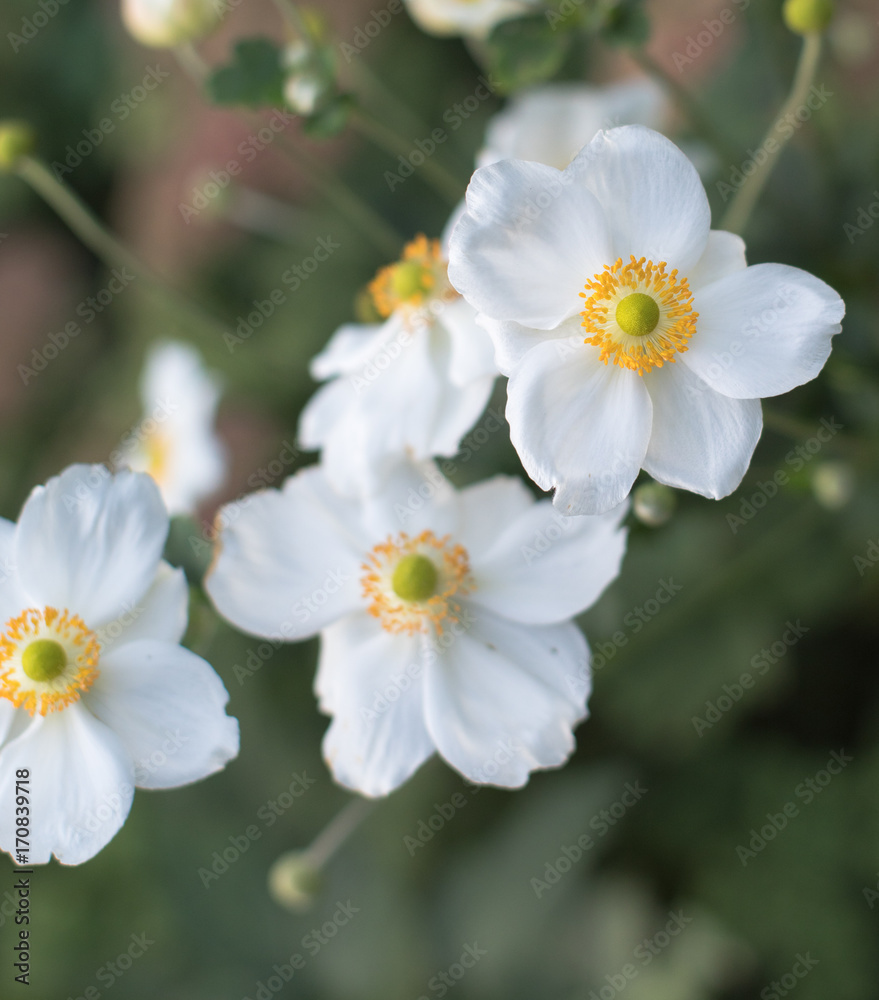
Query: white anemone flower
{"points": [[633, 335], [444, 617], [96, 694], [175, 442], [470, 18], [169, 23], [552, 123], [411, 385]]}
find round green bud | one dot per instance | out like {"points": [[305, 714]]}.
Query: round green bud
{"points": [[17, 139], [653, 504], [44, 660], [415, 578], [294, 881], [807, 17], [637, 314]]}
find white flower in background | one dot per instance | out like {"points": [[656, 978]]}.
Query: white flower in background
{"points": [[633, 337], [414, 384], [175, 442], [444, 617], [96, 694], [168, 23], [552, 123], [471, 18]]}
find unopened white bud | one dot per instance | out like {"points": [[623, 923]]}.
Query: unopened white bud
{"points": [[168, 23]]}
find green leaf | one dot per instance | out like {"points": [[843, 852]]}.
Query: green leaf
{"points": [[626, 24], [524, 52], [330, 119], [254, 78]]}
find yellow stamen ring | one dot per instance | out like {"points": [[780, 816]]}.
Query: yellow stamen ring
{"points": [[639, 315], [47, 660], [412, 583]]}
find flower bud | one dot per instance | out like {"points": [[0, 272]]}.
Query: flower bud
{"points": [[653, 504], [167, 23], [294, 881], [806, 17], [17, 139], [833, 484], [304, 92]]}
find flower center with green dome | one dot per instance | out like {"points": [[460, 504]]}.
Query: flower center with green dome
{"points": [[48, 659], [414, 584], [639, 315], [421, 275], [415, 578], [44, 660]]}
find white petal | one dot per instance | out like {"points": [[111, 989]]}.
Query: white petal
{"points": [[160, 614], [579, 426], [651, 194], [486, 510], [288, 562], [512, 342], [12, 598], [547, 567], [552, 123], [504, 698], [763, 331], [724, 254], [351, 347], [531, 238], [167, 705], [91, 541], [702, 440], [81, 785], [8, 713], [374, 682], [472, 349]]}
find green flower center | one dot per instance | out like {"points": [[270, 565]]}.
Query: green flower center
{"points": [[415, 578], [43, 660], [410, 278], [637, 314]]}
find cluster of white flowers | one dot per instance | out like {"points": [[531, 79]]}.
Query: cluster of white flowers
{"points": [[634, 337]]}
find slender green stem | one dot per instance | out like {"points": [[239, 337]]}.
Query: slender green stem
{"points": [[192, 63], [105, 246], [743, 203], [337, 831], [360, 214], [442, 181], [689, 105]]}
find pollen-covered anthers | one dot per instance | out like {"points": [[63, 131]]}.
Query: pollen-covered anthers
{"points": [[413, 583], [47, 660], [421, 275], [640, 316]]}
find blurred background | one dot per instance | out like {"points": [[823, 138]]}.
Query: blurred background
{"points": [[725, 859]]}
